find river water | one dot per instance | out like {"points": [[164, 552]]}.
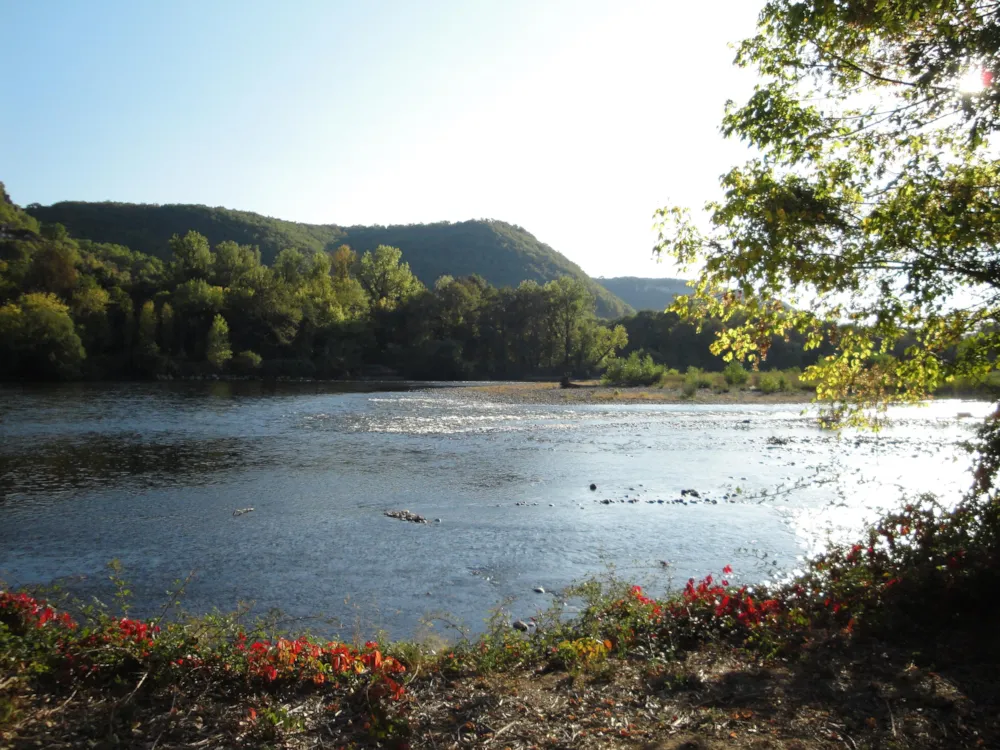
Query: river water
{"points": [[150, 474]]}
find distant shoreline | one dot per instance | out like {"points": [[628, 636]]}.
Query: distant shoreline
{"points": [[593, 392]]}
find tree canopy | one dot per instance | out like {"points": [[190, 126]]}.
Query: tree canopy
{"points": [[870, 201], [71, 308], [503, 254]]}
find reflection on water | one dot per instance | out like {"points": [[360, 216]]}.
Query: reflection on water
{"points": [[124, 461], [151, 473]]}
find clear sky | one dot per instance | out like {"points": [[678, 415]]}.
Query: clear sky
{"points": [[573, 119]]}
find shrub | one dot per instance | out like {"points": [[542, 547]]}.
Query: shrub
{"points": [[689, 388], [636, 369], [735, 374], [581, 653], [770, 382], [699, 377]]}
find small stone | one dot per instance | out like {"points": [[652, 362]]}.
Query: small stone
{"points": [[593, 487], [539, 590]]}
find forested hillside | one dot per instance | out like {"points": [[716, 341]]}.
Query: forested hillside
{"points": [[77, 308], [645, 294], [501, 253]]}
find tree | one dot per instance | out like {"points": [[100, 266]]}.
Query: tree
{"points": [[192, 256], [54, 267], [147, 330], [292, 266], [89, 307], [343, 262], [195, 304], [600, 344], [217, 351], [263, 311], [872, 203], [571, 304], [38, 340], [167, 333], [386, 279], [12, 218], [232, 261]]}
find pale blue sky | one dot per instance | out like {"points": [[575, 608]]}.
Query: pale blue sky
{"points": [[574, 119]]}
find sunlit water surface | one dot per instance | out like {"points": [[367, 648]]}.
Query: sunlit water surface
{"points": [[151, 474]]}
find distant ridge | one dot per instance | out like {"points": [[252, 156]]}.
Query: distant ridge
{"points": [[646, 294], [503, 254]]}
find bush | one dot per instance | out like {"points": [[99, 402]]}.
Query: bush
{"points": [[689, 388], [699, 377], [735, 374], [770, 382], [636, 369]]}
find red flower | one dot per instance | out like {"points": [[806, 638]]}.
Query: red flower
{"points": [[728, 569]]}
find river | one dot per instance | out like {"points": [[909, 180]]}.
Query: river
{"points": [[151, 474]]}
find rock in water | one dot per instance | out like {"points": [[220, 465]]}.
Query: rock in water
{"points": [[241, 511], [539, 590], [593, 486], [405, 515], [521, 625]]}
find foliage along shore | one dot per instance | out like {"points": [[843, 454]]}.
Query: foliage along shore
{"points": [[889, 643], [71, 308]]}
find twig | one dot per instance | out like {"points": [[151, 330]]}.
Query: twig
{"points": [[65, 702], [130, 695], [892, 718], [499, 732]]}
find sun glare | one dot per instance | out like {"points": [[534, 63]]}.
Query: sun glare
{"points": [[974, 80]]}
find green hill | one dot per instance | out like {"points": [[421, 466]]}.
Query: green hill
{"points": [[646, 294], [503, 254]]}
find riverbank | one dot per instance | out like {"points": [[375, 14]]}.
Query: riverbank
{"points": [[888, 643], [594, 392]]}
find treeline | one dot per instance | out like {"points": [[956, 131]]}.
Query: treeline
{"points": [[679, 345], [503, 254], [74, 308]]}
